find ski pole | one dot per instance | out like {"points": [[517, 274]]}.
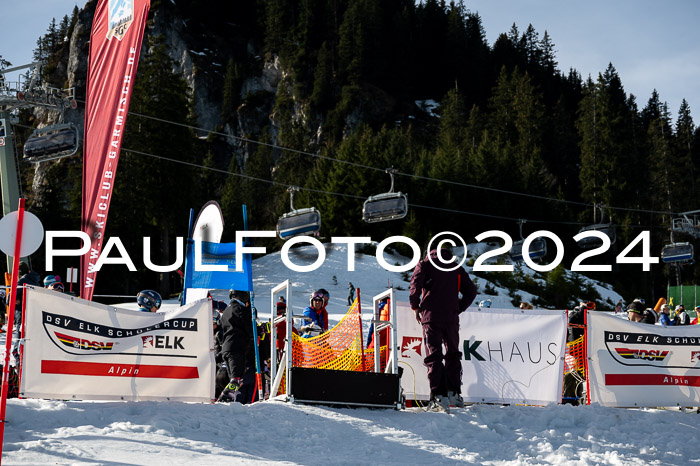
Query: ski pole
{"points": [[258, 374]]}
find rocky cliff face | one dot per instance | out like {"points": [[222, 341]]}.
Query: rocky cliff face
{"points": [[200, 48]]}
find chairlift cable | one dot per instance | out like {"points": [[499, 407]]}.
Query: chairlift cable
{"points": [[352, 196]]}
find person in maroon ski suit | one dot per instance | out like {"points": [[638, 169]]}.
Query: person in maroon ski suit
{"points": [[436, 301]]}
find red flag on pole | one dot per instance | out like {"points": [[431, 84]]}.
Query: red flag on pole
{"points": [[115, 43]]}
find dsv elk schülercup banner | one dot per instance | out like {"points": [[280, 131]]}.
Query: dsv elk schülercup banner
{"points": [[633, 364], [77, 349]]}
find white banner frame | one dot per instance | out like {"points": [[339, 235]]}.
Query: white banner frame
{"points": [[631, 364], [520, 379], [82, 350]]}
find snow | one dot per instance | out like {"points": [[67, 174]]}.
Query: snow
{"points": [[275, 432]]}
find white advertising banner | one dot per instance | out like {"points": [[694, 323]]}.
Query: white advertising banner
{"points": [[508, 355], [633, 364], [77, 349]]}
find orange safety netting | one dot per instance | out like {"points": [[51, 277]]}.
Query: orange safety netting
{"points": [[340, 348]]}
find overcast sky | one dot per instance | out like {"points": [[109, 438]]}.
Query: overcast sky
{"points": [[652, 44]]}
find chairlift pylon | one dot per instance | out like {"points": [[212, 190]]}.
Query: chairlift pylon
{"points": [[684, 224], [538, 246], [608, 229], [298, 221], [385, 206], [52, 142]]}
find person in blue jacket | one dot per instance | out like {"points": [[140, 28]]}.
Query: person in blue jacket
{"points": [[314, 321], [664, 317]]}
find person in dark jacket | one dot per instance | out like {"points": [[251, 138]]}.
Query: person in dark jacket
{"points": [[26, 277], [237, 350], [351, 293], [434, 298], [682, 317]]}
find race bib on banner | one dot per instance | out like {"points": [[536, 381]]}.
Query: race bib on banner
{"points": [[634, 364], [77, 349]]}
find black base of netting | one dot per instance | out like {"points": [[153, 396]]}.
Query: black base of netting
{"points": [[346, 388]]}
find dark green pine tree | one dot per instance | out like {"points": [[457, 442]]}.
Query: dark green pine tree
{"points": [[231, 93], [685, 130], [606, 129]]}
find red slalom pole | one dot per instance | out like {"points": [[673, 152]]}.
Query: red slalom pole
{"points": [[10, 321]]}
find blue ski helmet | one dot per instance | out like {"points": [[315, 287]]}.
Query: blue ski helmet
{"points": [[50, 280], [148, 299]]}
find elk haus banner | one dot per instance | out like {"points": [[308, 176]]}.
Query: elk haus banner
{"points": [[115, 44], [77, 349], [639, 365], [508, 356]]}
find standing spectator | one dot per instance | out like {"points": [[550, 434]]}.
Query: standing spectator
{"points": [[237, 350], [696, 321], [664, 317], [26, 277], [434, 298], [635, 311], [221, 378], [3, 307], [282, 326], [682, 317], [649, 316], [351, 294], [383, 311], [618, 308]]}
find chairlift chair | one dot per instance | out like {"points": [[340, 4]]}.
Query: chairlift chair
{"points": [[385, 206], [538, 247], [52, 142], [591, 242], [299, 221], [608, 229], [674, 253]]}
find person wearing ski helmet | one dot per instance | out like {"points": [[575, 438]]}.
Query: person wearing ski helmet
{"points": [[148, 301], [315, 316], [237, 350], [53, 282], [50, 280]]}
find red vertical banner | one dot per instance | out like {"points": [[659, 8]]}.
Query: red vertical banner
{"points": [[115, 43]]}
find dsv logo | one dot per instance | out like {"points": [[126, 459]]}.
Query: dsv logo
{"points": [[81, 343], [646, 354]]}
